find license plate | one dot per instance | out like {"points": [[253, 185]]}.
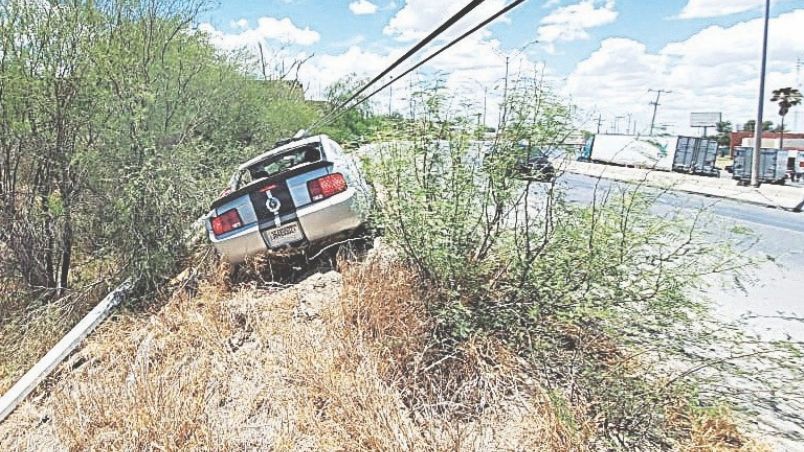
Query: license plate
{"points": [[283, 235]]}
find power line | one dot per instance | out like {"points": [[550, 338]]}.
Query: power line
{"points": [[455, 41], [451, 21], [656, 104]]}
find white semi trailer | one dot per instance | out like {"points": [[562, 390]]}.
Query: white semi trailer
{"points": [[683, 154]]}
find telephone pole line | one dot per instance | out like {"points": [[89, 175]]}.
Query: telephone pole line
{"points": [[617, 124], [599, 123], [796, 125], [761, 103], [390, 101], [656, 104]]}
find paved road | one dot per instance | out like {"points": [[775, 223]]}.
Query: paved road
{"points": [[772, 306], [776, 298]]}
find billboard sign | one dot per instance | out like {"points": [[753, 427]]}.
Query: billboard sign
{"points": [[705, 119]]}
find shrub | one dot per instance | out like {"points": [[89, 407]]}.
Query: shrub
{"points": [[575, 289]]}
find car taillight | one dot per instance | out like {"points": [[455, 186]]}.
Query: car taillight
{"points": [[324, 187], [226, 222]]}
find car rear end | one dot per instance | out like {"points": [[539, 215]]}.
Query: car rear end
{"points": [[302, 194]]}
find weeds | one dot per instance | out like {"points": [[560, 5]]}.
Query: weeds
{"points": [[514, 273], [249, 369], [502, 318]]}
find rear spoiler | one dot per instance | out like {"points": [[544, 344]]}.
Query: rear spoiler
{"points": [[266, 180], [300, 135]]}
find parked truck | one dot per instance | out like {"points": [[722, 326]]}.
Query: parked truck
{"points": [[683, 154], [772, 165], [795, 164], [705, 157]]}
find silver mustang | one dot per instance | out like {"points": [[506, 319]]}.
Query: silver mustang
{"points": [[304, 193]]}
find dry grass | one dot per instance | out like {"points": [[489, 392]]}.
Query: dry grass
{"points": [[311, 367], [712, 430], [339, 362], [28, 329]]}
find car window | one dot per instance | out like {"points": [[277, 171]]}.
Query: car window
{"points": [[276, 164]]}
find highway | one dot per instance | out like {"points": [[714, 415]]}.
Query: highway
{"points": [[768, 306], [775, 300]]}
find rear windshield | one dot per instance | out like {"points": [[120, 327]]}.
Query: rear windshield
{"points": [[309, 153]]}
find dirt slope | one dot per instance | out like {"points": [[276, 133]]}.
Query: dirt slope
{"points": [[301, 368]]}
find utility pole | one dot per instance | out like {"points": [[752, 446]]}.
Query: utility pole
{"points": [[656, 104], [485, 100], [628, 128], [797, 126], [505, 87], [503, 113], [390, 100], [617, 123], [410, 99], [599, 122], [760, 110]]}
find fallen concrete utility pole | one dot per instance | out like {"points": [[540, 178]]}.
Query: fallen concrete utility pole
{"points": [[73, 339], [64, 347]]}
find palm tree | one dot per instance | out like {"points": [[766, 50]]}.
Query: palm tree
{"points": [[787, 98]]}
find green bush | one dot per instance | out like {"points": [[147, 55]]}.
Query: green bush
{"points": [[571, 287], [120, 124]]}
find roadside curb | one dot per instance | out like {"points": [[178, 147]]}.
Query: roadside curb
{"points": [[642, 177]]}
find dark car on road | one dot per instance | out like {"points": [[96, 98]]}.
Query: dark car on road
{"points": [[537, 168]]}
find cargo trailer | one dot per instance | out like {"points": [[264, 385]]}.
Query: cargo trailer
{"points": [[683, 154], [705, 158], [795, 164], [772, 165], [626, 150], [684, 158]]}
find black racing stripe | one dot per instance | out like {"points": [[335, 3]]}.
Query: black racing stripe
{"points": [[280, 199], [261, 183], [285, 219]]}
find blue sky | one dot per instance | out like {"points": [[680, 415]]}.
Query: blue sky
{"points": [[604, 54]]}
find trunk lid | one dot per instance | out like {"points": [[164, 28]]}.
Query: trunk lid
{"points": [[275, 187]]}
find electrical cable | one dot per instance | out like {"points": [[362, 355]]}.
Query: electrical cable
{"points": [[429, 38], [505, 10]]}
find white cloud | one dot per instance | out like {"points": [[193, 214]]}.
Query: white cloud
{"points": [[362, 7], [241, 24], [696, 9], [716, 69], [417, 18], [326, 69], [472, 69], [268, 29], [571, 22]]}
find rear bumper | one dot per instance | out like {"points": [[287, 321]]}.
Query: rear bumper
{"points": [[319, 221], [330, 217]]}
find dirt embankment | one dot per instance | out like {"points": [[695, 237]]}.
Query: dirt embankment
{"points": [[334, 362]]}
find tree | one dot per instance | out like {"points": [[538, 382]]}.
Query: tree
{"points": [[118, 123], [787, 99], [749, 125], [724, 129], [354, 123]]}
